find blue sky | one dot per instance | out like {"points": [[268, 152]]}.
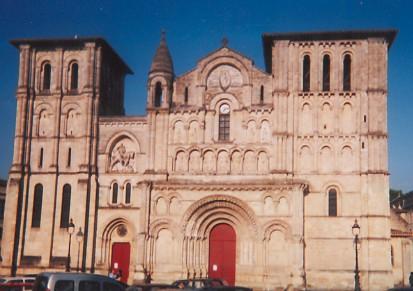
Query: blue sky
{"points": [[195, 28]]}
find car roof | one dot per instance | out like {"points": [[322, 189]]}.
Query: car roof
{"points": [[74, 275]]}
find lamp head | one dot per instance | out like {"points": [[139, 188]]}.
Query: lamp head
{"points": [[79, 235], [355, 228], [71, 227]]}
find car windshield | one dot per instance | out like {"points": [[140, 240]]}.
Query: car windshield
{"points": [[41, 283]]}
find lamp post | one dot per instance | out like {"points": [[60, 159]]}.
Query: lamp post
{"points": [[356, 231], [79, 238], [70, 230]]}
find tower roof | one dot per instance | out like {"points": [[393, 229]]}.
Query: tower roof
{"points": [[162, 61]]}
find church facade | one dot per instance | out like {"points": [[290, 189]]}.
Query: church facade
{"points": [[234, 172]]}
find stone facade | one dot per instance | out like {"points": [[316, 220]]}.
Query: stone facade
{"points": [[288, 158]]}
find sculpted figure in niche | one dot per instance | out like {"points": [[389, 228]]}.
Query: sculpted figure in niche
{"points": [[44, 123], [193, 132], [209, 162], [72, 124], [306, 120], [194, 161], [347, 119], [122, 157], [250, 163], [179, 132], [265, 132], [223, 163], [262, 163], [327, 119], [306, 159], [251, 127], [236, 165], [180, 162]]}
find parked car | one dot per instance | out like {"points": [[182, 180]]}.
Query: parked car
{"points": [[150, 287], [55, 281], [207, 284], [16, 283], [199, 283]]}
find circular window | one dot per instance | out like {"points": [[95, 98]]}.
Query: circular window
{"points": [[122, 230], [224, 109]]}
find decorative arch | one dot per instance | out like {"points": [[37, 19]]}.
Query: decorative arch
{"points": [[216, 209], [276, 224], [231, 60]]}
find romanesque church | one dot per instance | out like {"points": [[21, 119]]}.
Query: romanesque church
{"points": [[252, 175]]}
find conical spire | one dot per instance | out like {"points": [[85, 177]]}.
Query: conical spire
{"points": [[162, 61]]}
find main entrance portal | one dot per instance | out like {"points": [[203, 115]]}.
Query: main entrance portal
{"points": [[222, 253], [121, 257]]}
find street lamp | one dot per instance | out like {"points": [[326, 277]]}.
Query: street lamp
{"points": [[356, 231], [70, 230], [79, 238]]}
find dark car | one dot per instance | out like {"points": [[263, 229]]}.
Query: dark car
{"points": [[150, 287], [207, 284], [55, 281]]}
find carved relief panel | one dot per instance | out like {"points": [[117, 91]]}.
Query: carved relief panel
{"points": [[224, 77], [122, 157]]}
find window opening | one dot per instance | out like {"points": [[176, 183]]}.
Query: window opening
{"points": [[69, 157], [332, 202], [127, 193], [306, 73], [37, 205], [262, 95], [158, 94], [74, 76], [347, 73], [186, 95], [326, 73], [65, 213], [224, 122], [41, 158], [115, 189], [47, 74]]}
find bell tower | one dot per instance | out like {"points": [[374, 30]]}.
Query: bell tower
{"points": [[160, 90], [161, 77]]}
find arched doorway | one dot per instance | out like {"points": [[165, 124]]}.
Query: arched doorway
{"points": [[222, 253]]}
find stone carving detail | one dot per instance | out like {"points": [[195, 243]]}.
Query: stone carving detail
{"points": [[194, 132], [179, 132], [122, 230], [45, 123], [265, 132], [72, 123], [236, 163], [262, 163], [180, 162], [194, 161], [306, 159], [122, 158], [250, 163], [224, 77], [209, 162], [306, 120], [223, 163]]}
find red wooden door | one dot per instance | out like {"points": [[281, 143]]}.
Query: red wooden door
{"points": [[121, 256], [222, 251]]}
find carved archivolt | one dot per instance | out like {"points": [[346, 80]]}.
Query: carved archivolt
{"points": [[203, 214]]}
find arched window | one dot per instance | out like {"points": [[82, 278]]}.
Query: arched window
{"points": [[306, 73], [326, 73], [127, 193], [69, 157], [115, 189], [186, 95], [158, 94], [332, 202], [347, 73], [64, 216], [47, 75], [74, 76], [262, 94], [41, 158], [392, 255], [224, 125], [37, 205]]}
